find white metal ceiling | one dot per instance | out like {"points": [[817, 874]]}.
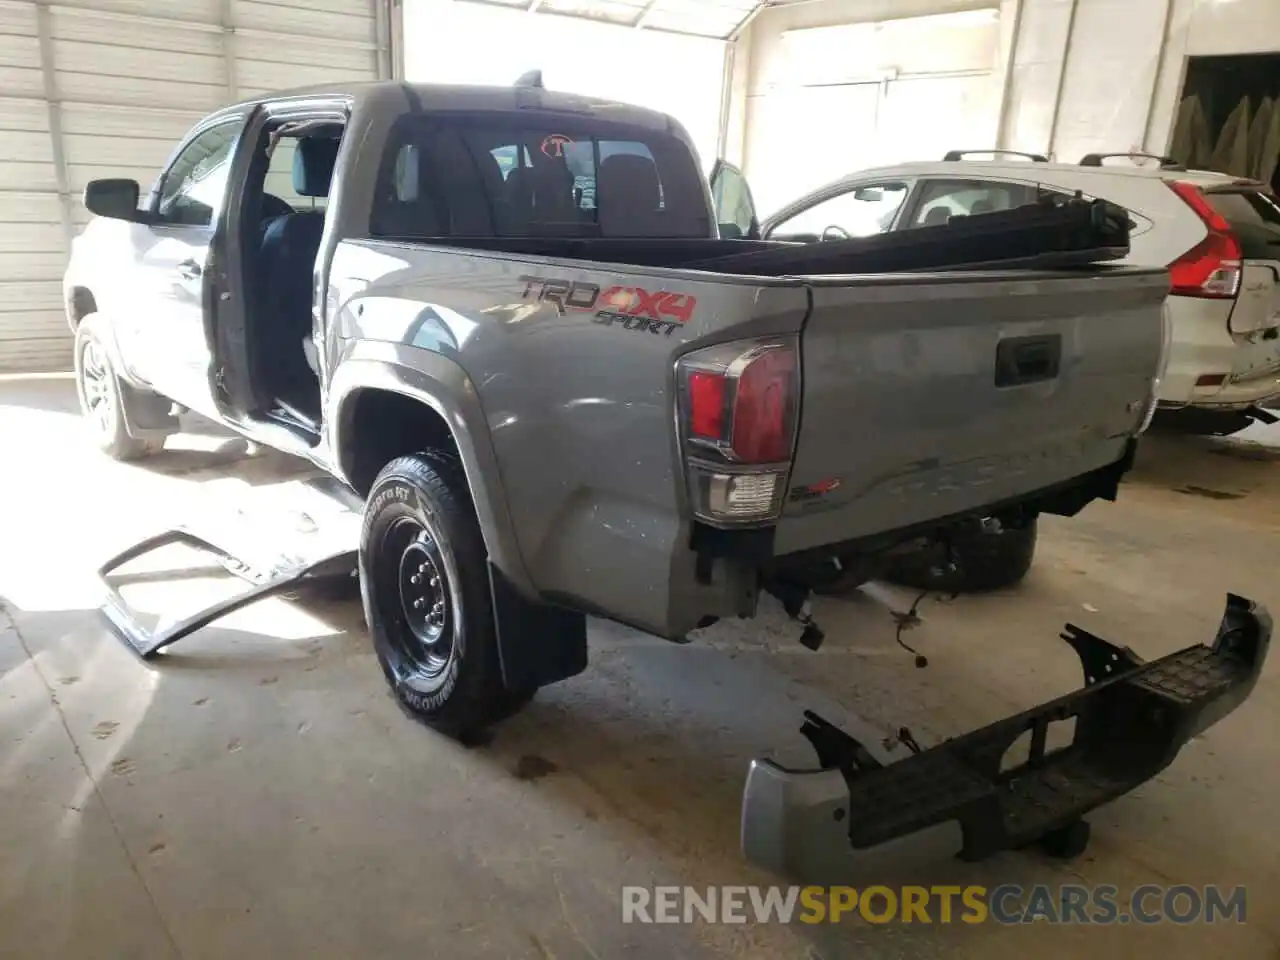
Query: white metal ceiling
{"points": [[719, 19]]}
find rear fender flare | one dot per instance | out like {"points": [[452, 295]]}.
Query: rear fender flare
{"points": [[440, 384]]}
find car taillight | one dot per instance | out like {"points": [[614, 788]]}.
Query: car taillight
{"points": [[738, 405], [1212, 268]]}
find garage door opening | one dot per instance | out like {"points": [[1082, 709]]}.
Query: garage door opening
{"points": [[471, 43], [1229, 116], [853, 96]]}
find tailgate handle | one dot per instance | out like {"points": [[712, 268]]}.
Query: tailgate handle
{"points": [[1021, 360]]}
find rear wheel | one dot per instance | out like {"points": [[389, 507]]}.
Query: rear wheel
{"points": [[425, 586], [103, 398], [984, 560]]}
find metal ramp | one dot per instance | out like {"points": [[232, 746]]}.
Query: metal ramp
{"points": [[299, 532]]}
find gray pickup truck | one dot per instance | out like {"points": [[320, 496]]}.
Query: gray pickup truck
{"points": [[476, 308]]}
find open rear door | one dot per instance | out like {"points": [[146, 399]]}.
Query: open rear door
{"points": [[735, 208]]}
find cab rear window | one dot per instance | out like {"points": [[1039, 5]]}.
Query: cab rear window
{"points": [[505, 176]]}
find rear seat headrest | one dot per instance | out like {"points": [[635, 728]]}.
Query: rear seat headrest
{"points": [[313, 166], [630, 182]]}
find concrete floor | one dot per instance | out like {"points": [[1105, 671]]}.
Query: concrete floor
{"points": [[258, 794]]}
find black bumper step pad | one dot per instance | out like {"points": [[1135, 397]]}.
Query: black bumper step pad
{"points": [[1131, 718]]}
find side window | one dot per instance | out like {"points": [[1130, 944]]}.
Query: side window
{"points": [[405, 178], [864, 211], [508, 158], [940, 200], [735, 208], [195, 184]]}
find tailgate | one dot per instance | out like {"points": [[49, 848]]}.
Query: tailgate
{"points": [[1257, 306], [931, 395], [1254, 218]]}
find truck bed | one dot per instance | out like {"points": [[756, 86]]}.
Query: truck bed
{"points": [[1052, 234], [924, 395]]}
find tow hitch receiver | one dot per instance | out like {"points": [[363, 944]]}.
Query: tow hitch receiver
{"points": [[1131, 719]]}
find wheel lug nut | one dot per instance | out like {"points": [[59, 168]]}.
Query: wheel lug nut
{"points": [[415, 579], [419, 604]]}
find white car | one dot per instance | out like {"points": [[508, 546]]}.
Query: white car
{"points": [[1219, 235]]}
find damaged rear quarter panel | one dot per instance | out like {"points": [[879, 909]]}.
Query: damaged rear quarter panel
{"points": [[573, 368]]}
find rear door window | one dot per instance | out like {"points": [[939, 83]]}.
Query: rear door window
{"points": [[503, 176], [939, 201]]}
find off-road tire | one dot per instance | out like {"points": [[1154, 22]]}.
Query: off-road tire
{"points": [[458, 689], [103, 398], [984, 561]]}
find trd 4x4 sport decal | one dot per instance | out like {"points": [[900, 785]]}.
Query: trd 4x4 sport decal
{"points": [[634, 308]]}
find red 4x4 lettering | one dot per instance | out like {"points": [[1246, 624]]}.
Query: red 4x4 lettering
{"points": [[639, 302]]}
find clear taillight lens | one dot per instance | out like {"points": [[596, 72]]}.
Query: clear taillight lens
{"points": [[738, 406]]}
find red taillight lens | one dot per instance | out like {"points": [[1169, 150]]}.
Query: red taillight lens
{"points": [[740, 399], [738, 405], [1211, 268], [706, 405], [761, 418]]}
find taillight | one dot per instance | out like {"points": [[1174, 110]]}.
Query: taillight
{"points": [[1212, 268], [738, 405]]}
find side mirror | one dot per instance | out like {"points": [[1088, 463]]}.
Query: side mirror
{"points": [[868, 194], [116, 198]]}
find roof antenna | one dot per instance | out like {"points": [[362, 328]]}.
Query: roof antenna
{"points": [[531, 79]]}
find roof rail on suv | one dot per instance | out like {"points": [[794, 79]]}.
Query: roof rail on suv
{"points": [[961, 154], [1095, 159]]}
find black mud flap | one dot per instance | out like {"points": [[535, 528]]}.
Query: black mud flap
{"points": [[267, 580], [1131, 720]]}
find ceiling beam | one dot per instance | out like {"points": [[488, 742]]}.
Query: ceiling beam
{"points": [[639, 22], [745, 22]]}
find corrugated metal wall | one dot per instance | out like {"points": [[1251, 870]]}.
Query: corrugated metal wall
{"points": [[104, 88]]}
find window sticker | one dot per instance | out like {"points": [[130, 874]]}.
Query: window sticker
{"points": [[553, 145]]}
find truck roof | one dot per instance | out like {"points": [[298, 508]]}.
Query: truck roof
{"points": [[478, 99]]}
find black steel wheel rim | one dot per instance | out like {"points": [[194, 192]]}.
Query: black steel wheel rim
{"points": [[413, 594]]}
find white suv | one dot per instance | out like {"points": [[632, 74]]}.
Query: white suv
{"points": [[1219, 236]]}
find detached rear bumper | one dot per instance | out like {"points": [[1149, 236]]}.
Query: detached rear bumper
{"points": [[1131, 718]]}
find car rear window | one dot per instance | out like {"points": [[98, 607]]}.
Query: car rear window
{"points": [[1254, 216], [507, 175]]}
